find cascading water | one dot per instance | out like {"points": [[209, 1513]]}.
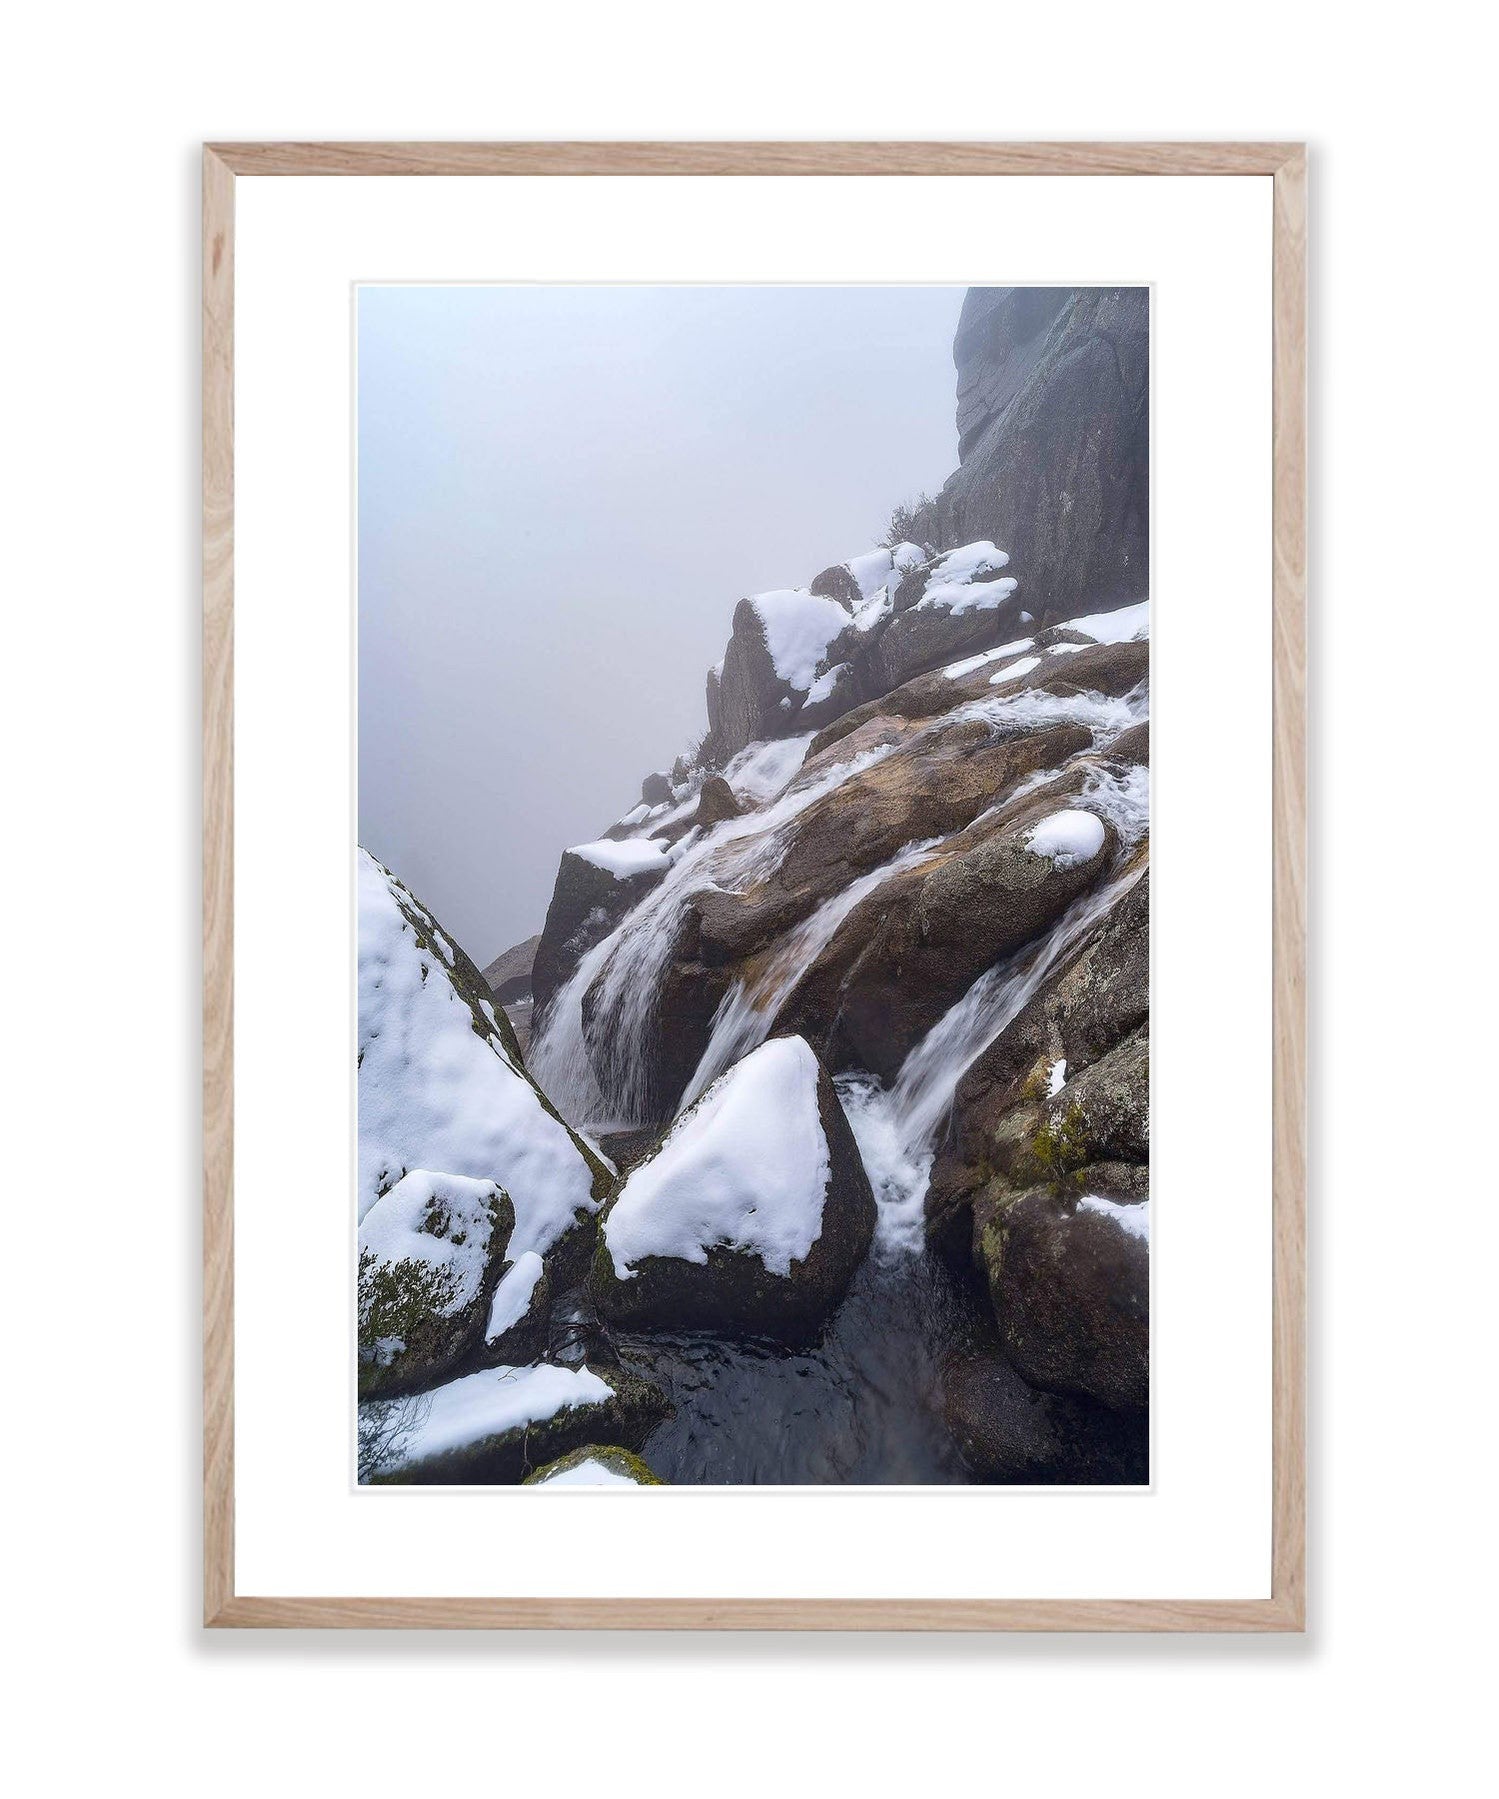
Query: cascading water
{"points": [[599, 1081], [749, 1009], [868, 1403]]}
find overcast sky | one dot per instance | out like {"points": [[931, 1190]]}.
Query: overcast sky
{"points": [[563, 492]]}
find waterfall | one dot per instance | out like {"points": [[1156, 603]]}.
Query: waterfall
{"points": [[749, 1009], [602, 1081], [897, 1127], [600, 1084]]}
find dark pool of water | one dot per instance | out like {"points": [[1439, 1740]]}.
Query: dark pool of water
{"points": [[869, 1405]]}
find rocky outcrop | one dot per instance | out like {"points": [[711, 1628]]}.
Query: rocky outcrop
{"points": [[1010, 1432], [1070, 1280], [430, 1254], [498, 1425], [1022, 1086], [715, 803], [751, 1215], [509, 975], [1053, 445], [589, 898], [442, 1084]]}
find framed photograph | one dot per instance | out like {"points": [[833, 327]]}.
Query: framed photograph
{"points": [[754, 891]]}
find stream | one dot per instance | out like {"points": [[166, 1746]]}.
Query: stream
{"points": [[869, 1404]]}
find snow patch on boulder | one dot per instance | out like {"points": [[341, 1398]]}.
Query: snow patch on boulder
{"points": [[438, 1089], [798, 627], [1067, 838], [494, 1400], [634, 856], [1130, 624], [746, 1168], [443, 1221], [512, 1297], [1133, 1220]]}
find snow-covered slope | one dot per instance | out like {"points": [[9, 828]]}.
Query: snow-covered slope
{"points": [[441, 1082]]}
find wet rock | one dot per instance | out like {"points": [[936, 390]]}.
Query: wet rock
{"points": [[1070, 1281], [1010, 1432], [587, 902], [1105, 1111], [715, 803], [967, 914], [655, 790], [1133, 745], [1089, 1004]]}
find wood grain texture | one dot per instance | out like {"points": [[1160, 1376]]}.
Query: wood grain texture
{"points": [[1285, 1610], [1288, 827], [753, 159], [218, 885]]}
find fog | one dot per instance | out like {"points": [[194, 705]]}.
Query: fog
{"points": [[563, 492]]}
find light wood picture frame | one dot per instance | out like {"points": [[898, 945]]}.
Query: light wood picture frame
{"points": [[224, 1605]]}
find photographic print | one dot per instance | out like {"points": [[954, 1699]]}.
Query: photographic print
{"points": [[753, 1080]]}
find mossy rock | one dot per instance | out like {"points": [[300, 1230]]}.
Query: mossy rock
{"points": [[1071, 1294], [408, 1340], [623, 1462]]}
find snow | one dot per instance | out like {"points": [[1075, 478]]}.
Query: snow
{"points": [[955, 671], [436, 1095], [1128, 625], [512, 1298], [589, 1473], [638, 855], [494, 1400], [1067, 838], [953, 584], [799, 626], [968, 560], [747, 1167], [1056, 1078], [871, 572], [822, 687], [762, 770], [459, 1207], [1133, 1220], [1015, 670]]}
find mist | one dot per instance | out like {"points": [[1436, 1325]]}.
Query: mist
{"points": [[562, 494]]}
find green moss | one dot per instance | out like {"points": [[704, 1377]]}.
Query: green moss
{"points": [[1059, 1149], [397, 1299], [610, 1455]]}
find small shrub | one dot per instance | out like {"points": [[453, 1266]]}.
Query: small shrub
{"points": [[909, 523]]}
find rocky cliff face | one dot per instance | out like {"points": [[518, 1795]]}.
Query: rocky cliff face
{"points": [[1053, 441]]}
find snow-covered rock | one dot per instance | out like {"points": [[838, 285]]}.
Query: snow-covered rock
{"points": [[597, 883], [595, 1465], [752, 1213], [430, 1253], [516, 1326], [441, 1083], [496, 1426]]}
